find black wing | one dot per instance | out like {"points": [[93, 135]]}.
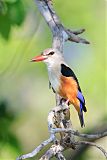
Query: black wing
{"points": [[67, 72]]}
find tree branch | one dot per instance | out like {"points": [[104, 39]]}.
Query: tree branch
{"points": [[59, 32], [67, 141], [94, 145], [82, 148], [38, 149], [76, 133]]}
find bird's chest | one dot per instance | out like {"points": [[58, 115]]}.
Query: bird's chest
{"points": [[54, 78]]}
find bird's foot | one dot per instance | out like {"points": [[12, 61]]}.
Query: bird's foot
{"points": [[67, 102]]}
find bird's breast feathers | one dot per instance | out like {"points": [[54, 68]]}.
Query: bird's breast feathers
{"points": [[54, 78]]}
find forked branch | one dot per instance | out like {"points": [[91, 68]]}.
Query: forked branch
{"points": [[66, 142]]}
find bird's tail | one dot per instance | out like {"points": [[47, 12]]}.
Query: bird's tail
{"points": [[81, 118], [80, 114]]}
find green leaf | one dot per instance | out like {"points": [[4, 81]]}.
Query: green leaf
{"points": [[16, 12], [10, 14]]}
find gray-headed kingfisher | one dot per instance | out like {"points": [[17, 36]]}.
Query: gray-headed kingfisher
{"points": [[63, 80]]}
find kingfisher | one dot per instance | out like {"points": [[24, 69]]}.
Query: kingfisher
{"points": [[63, 80]]}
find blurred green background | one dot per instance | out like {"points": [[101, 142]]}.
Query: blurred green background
{"points": [[25, 98]]}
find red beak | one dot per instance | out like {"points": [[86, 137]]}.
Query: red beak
{"points": [[39, 58]]}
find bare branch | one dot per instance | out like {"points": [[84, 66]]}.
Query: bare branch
{"points": [[91, 136], [76, 133], [72, 36], [82, 148], [93, 144], [60, 33], [58, 147], [38, 149], [77, 31]]}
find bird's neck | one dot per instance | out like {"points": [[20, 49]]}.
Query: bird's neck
{"points": [[54, 69]]}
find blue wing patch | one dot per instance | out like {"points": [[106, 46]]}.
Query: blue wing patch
{"points": [[82, 108], [80, 97], [82, 101]]}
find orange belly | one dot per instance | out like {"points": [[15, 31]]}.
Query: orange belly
{"points": [[68, 90]]}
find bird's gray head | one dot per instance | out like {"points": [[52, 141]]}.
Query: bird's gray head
{"points": [[49, 56]]}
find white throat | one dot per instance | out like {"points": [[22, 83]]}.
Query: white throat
{"points": [[54, 76], [54, 71]]}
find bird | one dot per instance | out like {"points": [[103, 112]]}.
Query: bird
{"points": [[63, 80]]}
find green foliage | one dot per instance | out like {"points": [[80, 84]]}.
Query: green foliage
{"points": [[11, 13], [7, 117]]}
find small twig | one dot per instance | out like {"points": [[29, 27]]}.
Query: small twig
{"points": [[38, 149], [76, 133], [91, 136], [76, 32], [93, 144], [72, 37]]}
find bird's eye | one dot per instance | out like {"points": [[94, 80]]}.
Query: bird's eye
{"points": [[51, 53]]}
